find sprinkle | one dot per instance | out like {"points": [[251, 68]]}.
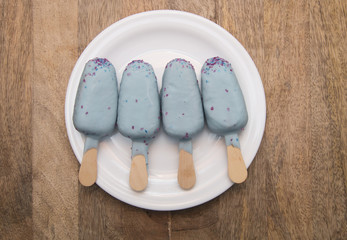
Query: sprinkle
{"points": [[159, 117], [167, 95], [164, 89], [135, 100], [228, 109], [141, 129], [226, 90], [109, 108], [144, 141], [187, 135], [132, 127], [86, 113], [126, 100], [145, 131], [166, 113], [212, 108], [84, 80], [85, 86], [242, 129], [182, 114], [237, 139], [128, 74], [231, 139], [81, 106]]}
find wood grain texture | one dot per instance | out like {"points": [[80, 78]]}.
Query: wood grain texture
{"points": [[15, 119], [55, 169], [328, 85], [297, 184]]}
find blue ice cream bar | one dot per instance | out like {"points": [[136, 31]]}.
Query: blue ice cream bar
{"points": [[224, 105], [95, 110], [182, 110], [139, 115]]}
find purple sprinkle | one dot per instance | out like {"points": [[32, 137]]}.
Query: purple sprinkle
{"points": [[84, 80], [182, 114], [109, 108], [166, 113], [132, 127], [81, 106], [128, 74], [135, 100], [231, 139], [226, 90], [212, 108], [86, 113], [164, 89], [228, 109], [167, 95]]}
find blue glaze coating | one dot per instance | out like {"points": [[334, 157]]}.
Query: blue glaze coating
{"points": [[186, 145], [139, 106], [223, 101], [182, 110], [91, 142], [95, 110]]}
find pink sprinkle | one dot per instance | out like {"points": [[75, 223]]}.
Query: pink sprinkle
{"points": [[138, 67], [183, 114], [157, 129], [128, 74], [135, 100], [170, 64], [165, 113], [231, 70], [132, 127], [81, 106], [167, 95], [231, 139], [243, 129], [109, 108], [144, 141], [86, 113], [226, 90], [84, 80], [187, 135], [141, 129], [212, 108], [164, 89], [228, 109], [159, 117]]}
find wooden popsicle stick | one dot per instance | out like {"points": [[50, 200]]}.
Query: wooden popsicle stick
{"points": [[88, 170], [138, 178], [186, 172], [236, 166]]}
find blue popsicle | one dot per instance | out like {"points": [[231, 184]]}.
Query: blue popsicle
{"points": [[95, 111], [225, 110], [182, 113], [139, 116]]}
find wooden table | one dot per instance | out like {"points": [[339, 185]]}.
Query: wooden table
{"points": [[297, 185]]}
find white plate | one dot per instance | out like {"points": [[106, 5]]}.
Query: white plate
{"points": [[157, 37]]}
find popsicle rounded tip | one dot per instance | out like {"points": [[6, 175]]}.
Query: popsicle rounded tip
{"points": [[88, 170], [237, 170], [186, 173], [138, 178]]}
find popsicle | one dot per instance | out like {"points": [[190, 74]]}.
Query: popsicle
{"points": [[139, 116], [95, 112], [182, 114], [225, 111]]}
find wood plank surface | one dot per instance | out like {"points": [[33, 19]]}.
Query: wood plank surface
{"points": [[297, 183], [16, 64]]}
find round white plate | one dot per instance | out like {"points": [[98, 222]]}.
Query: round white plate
{"points": [[158, 37]]}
